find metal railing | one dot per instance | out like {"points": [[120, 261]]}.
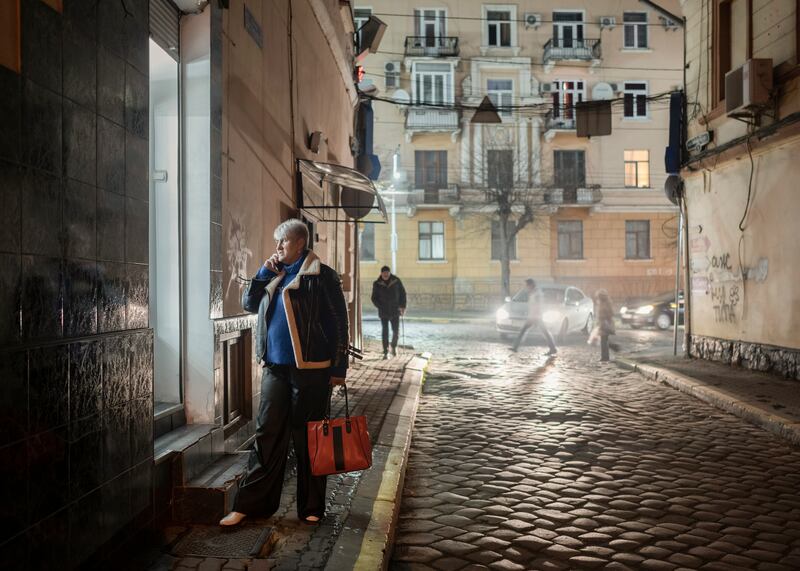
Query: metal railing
{"points": [[560, 49], [441, 46], [427, 119], [449, 194], [573, 196], [559, 123]]}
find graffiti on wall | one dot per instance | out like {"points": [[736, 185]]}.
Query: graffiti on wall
{"points": [[238, 255]]}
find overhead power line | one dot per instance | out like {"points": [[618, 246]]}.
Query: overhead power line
{"points": [[522, 20]]}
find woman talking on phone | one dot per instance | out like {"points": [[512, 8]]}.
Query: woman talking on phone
{"points": [[301, 340]]}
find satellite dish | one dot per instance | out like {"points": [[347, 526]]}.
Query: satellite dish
{"points": [[356, 202], [602, 91], [401, 96], [673, 188]]}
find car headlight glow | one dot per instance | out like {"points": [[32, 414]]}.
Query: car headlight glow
{"points": [[502, 314], [623, 310], [552, 316], [645, 310]]}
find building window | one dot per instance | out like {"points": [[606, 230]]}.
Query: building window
{"points": [[367, 242], [637, 239], [723, 52], [497, 242], [431, 240], [637, 169], [500, 26], [565, 95], [635, 100], [635, 29], [500, 171], [429, 27], [432, 83], [430, 169], [570, 240], [360, 17], [567, 29], [501, 92], [569, 169]]}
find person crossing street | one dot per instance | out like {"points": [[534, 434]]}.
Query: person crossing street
{"points": [[389, 296], [535, 318]]}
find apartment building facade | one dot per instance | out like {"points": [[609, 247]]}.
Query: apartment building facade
{"points": [[743, 84], [601, 217]]}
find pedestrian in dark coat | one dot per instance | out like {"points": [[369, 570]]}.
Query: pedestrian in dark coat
{"points": [[389, 296], [604, 314], [302, 340]]}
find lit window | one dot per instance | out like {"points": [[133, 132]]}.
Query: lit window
{"points": [[433, 84], [637, 169]]}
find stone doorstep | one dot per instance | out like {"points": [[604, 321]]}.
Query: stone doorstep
{"points": [[747, 410], [365, 542], [209, 496]]}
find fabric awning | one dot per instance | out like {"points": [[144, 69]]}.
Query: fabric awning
{"points": [[358, 195]]}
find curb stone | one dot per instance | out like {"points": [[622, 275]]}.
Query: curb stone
{"points": [[752, 413], [366, 539]]}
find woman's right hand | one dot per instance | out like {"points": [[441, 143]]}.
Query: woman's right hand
{"points": [[271, 263]]}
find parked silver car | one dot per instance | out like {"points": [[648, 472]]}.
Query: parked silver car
{"points": [[565, 309]]}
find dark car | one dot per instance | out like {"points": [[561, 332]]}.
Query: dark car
{"points": [[658, 312]]}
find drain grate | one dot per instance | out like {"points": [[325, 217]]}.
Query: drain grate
{"points": [[213, 542]]}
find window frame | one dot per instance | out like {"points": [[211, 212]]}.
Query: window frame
{"points": [[448, 84], [504, 113], [361, 242], [637, 29], [560, 109], [359, 21], [491, 167], [636, 255], [557, 179], [578, 28], [635, 93], [429, 236], [722, 52], [512, 21], [570, 234], [440, 23], [636, 164], [513, 254]]}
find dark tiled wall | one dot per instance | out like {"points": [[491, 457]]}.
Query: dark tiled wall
{"points": [[76, 375]]}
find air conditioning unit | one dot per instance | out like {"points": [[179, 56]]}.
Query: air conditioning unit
{"points": [[668, 23], [608, 22], [391, 70], [532, 20], [748, 87], [546, 87]]}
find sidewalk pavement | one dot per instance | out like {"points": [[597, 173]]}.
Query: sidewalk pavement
{"points": [[361, 512], [440, 316], [766, 400]]}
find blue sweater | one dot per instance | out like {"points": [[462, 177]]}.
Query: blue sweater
{"points": [[279, 342]]}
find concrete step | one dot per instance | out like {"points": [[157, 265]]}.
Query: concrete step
{"points": [[191, 449], [209, 495]]}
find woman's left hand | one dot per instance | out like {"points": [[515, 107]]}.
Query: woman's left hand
{"points": [[337, 381]]}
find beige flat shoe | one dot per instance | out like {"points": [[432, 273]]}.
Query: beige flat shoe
{"points": [[232, 519]]}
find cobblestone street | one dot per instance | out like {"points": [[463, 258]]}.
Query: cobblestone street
{"points": [[520, 462]]}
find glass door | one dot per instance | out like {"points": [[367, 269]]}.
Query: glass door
{"points": [[165, 228]]}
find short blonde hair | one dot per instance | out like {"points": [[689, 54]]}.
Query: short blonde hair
{"points": [[292, 228]]}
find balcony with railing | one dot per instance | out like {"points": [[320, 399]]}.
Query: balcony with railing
{"points": [[570, 49], [573, 196], [560, 123], [431, 46], [448, 194], [432, 120]]}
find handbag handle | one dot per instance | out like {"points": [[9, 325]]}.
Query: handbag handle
{"points": [[327, 418]]}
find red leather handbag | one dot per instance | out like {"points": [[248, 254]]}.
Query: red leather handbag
{"points": [[337, 445]]}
